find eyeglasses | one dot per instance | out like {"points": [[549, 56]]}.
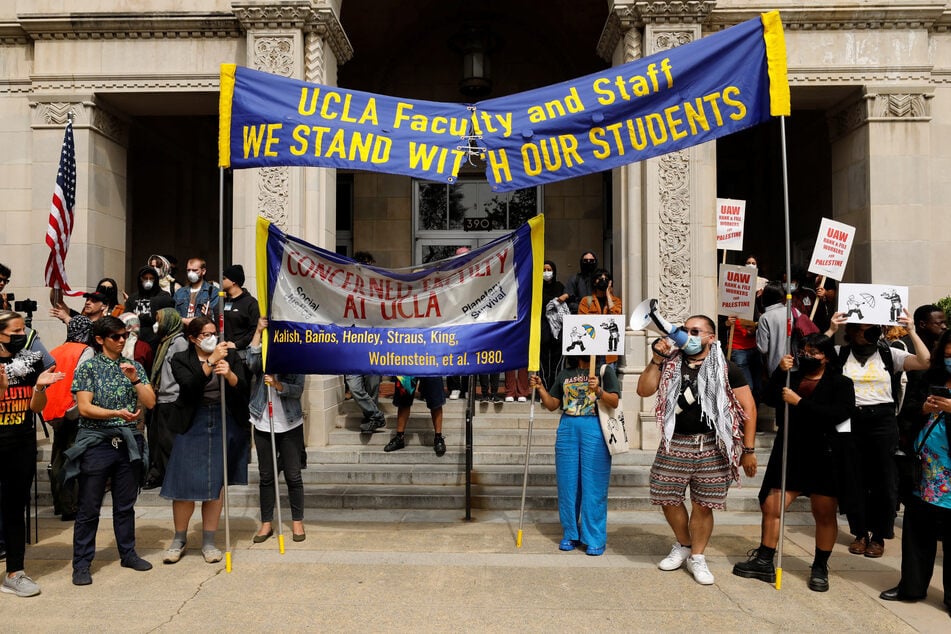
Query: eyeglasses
{"points": [[203, 335], [118, 336], [4, 280], [697, 332]]}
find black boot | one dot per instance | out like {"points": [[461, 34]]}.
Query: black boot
{"points": [[819, 578], [756, 567]]}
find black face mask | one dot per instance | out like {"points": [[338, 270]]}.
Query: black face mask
{"points": [[601, 284], [588, 267], [809, 364], [863, 350], [872, 334], [16, 343]]}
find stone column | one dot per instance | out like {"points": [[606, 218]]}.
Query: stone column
{"points": [[664, 206], [97, 246], [302, 39], [881, 142]]}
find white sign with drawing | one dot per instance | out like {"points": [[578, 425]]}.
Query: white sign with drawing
{"points": [[872, 303], [730, 217], [593, 334]]}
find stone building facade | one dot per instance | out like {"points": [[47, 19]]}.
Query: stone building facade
{"points": [[869, 141]]}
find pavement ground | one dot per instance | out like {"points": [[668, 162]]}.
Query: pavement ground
{"points": [[427, 571]]}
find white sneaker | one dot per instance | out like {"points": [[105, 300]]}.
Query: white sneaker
{"points": [[20, 585], [212, 555], [454, 395], [522, 399], [678, 555], [173, 555], [697, 565], [509, 399]]}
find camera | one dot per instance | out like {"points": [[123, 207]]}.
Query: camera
{"points": [[25, 306]]}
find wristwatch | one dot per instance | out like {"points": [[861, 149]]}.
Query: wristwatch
{"points": [[39, 388], [209, 363]]}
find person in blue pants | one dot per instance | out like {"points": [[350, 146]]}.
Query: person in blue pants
{"points": [[582, 461]]}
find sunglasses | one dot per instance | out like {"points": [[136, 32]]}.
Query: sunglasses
{"points": [[696, 332], [4, 280], [118, 336]]}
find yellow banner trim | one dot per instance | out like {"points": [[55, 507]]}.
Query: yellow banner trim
{"points": [[225, 96], [260, 249], [537, 224], [779, 104]]}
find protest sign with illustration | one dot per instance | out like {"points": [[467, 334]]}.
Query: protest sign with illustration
{"points": [[872, 303], [584, 335]]}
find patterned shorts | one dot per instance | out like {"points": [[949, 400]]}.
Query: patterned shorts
{"points": [[693, 459]]}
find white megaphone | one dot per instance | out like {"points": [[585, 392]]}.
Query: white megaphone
{"points": [[646, 316]]}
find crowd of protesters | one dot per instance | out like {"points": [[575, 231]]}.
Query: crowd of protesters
{"points": [[866, 420]]}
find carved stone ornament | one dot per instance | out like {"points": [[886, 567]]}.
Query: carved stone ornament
{"points": [[674, 234], [632, 45], [86, 114], [297, 14], [673, 184], [905, 106], [274, 54], [288, 14], [56, 113], [673, 11], [273, 184], [111, 126], [879, 106], [664, 40], [314, 58]]}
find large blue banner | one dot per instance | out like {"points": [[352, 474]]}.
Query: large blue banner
{"points": [[473, 313], [670, 101]]}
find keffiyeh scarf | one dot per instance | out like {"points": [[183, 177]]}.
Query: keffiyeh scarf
{"points": [[718, 403]]}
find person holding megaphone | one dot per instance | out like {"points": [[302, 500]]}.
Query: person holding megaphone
{"points": [[703, 401]]}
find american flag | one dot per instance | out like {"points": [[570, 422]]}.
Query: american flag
{"points": [[61, 215]]}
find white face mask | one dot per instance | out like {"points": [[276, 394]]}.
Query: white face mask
{"points": [[148, 284], [155, 327], [548, 276], [193, 277], [208, 344], [752, 265]]}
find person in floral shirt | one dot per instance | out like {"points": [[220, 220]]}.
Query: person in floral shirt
{"points": [[928, 510]]}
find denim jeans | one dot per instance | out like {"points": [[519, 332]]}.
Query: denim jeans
{"points": [[364, 388], [749, 363]]}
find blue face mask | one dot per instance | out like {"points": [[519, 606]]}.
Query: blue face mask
{"points": [[693, 346], [947, 365]]}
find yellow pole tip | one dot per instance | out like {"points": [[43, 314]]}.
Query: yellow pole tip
{"points": [[228, 561], [280, 543], [779, 578], [518, 540]]}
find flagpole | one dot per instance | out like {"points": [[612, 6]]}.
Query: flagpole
{"points": [[221, 329], [782, 490], [528, 454]]}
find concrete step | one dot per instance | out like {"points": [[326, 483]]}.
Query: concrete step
{"points": [[377, 496]]}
